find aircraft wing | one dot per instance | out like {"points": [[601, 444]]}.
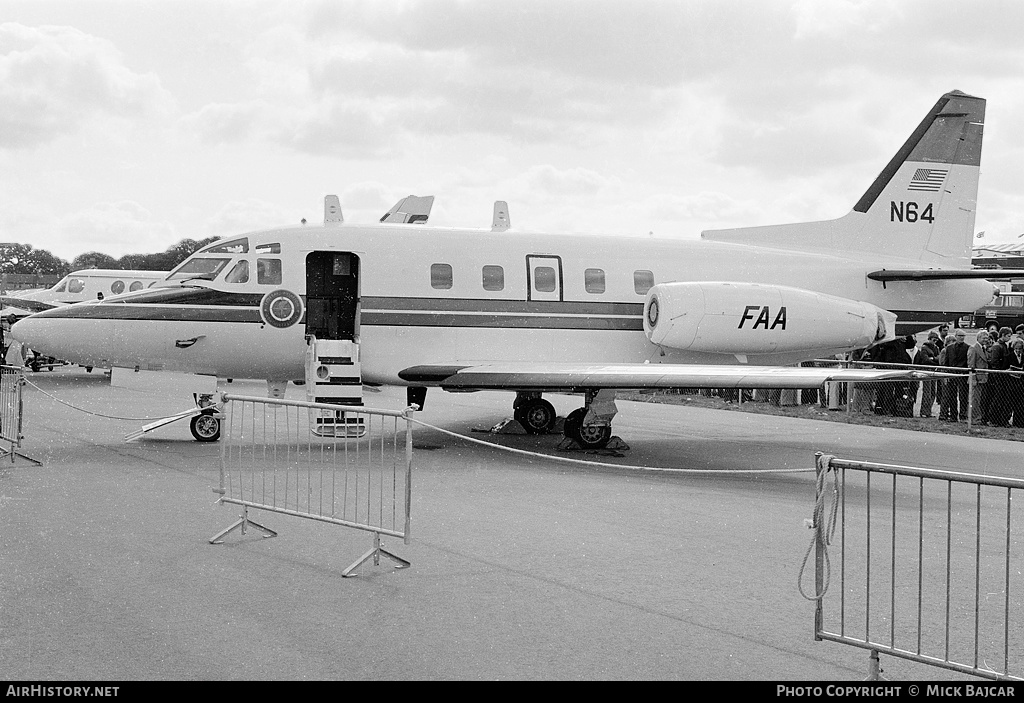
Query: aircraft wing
{"points": [[25, 304], [530, 376], [943, 274]]}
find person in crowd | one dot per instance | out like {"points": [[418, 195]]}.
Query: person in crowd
{"points": [[928, 355], [955, 393], [863, 393], [1000, 383], [907, 391], [1016, 385], [890, 396], [977, 361]]}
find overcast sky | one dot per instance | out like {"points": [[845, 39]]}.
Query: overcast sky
{"points": [[127, 126]]}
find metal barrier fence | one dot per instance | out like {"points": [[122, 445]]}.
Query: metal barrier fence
{"points": [[350, 467], [928, 567], [12, 381]]}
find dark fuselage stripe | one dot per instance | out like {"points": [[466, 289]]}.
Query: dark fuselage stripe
{"points": [[178, 313], [422, 312], [481, 305], [435, 319]]}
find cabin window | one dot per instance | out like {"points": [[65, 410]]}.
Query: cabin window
{"points": [[268, 271], [239, 273], [200, 267], [117, 287], [494, 278], [544, 279], [593, 280], [441, 276], [136, 285], [643, 281], [76, 285], [235, 246]]}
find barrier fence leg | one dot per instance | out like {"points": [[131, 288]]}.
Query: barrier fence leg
{"points": [[243, 522], [874, 667], [377, 550]]}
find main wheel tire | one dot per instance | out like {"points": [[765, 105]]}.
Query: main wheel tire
{"points": [[205, 428], [587, 436], [537, 416]]}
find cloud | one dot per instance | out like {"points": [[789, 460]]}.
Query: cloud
{"points": [[54, 80], [239, 216], [117, 229]]}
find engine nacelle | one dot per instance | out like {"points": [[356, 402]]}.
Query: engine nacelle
{"points": [[752, 318]]}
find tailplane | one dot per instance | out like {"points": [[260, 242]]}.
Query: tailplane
{"points": [[921, 206]]}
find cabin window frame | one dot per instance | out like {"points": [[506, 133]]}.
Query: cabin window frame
{"points": [[493, 277], [640, 279], [442, 277], [594, 281]]}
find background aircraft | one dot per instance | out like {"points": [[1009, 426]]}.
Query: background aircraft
{"points": [[77, 286]]}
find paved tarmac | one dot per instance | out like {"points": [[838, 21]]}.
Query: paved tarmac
{"points": [[522, 568]]}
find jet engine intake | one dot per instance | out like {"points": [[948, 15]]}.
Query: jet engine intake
{"points": [[751, 318]]}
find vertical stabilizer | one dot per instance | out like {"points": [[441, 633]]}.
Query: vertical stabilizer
{"points": [[921, 206]]}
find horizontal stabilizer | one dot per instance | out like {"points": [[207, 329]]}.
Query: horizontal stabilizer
{"points": [[944, 274]]}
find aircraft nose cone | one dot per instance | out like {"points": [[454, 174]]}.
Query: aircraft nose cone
{"points": [[29, 332]]}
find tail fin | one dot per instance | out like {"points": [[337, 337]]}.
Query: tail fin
{"points": [[921, 206]]}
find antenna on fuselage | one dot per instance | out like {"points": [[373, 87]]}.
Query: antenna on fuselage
{"points": [[332, 211], [501, 221]]}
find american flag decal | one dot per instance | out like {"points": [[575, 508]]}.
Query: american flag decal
{"points": [[928, 179]]}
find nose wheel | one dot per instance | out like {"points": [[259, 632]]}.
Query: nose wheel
{"points": [[205, 427]]}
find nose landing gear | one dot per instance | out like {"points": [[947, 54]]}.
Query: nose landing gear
{"points": [[205, 427]]}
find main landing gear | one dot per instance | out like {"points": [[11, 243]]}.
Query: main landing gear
{"points": [[536, 415], [590, 426]]}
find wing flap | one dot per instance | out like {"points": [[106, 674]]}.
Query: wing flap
{"points": [[554, 377]]}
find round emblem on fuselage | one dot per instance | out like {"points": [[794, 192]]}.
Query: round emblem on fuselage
{"points": [[652, 311], [281, 308]]}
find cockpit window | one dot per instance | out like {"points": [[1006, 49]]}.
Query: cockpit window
{"points": [[239, 273], [203, 267], [76, 285], [235, 246], [274, 248], [61, 287]]}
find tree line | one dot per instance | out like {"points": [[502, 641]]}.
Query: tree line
{"points": [[24, 258]]}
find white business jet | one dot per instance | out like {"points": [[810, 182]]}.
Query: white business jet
{"points": [[496, 308], [86, 284]]}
